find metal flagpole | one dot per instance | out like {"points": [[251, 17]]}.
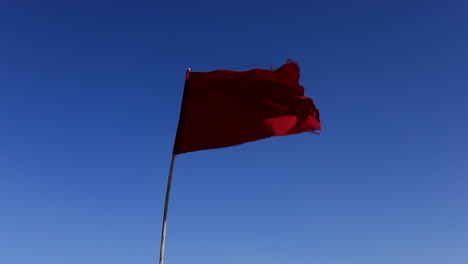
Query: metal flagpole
{"points": [[166, 207], [168, 194]]}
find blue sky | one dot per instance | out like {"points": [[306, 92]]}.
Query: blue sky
{"points": [[89, 100]]}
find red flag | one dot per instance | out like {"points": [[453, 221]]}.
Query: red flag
{"points": [[225, 108]]}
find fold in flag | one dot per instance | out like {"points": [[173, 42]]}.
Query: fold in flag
{"points": [[225, 108]]}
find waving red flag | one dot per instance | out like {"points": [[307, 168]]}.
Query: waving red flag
{"points": [[225, 108]]}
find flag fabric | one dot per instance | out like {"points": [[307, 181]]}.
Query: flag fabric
{"points": [[225, 108]]}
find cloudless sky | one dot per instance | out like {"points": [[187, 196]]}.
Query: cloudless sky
{"points": [[89, 102]]}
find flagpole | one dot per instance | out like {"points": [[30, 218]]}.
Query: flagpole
{"points": [[168, 194], [166, 207]]}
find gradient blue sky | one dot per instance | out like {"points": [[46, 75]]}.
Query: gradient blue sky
{"points": [[89, 100]]}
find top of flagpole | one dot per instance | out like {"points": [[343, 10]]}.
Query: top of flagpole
{"points": [[187, 74]]}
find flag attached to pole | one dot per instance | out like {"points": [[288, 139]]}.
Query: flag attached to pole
{"points": [[225, 108]]}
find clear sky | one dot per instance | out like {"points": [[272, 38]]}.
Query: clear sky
{"points": [[89, 100]]}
